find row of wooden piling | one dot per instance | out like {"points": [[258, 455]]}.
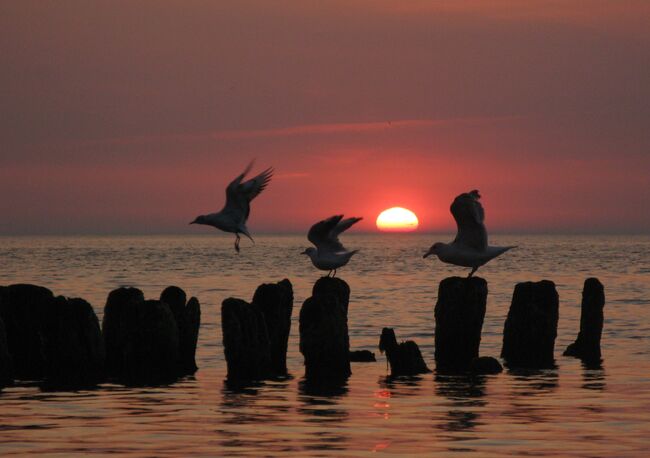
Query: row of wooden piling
{"points": [[57, 341], [252, 336]]}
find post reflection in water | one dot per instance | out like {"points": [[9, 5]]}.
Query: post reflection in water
{"points": [[465, 395], [401, 386], [593, 376], [531, 382], [321, 405], [394, 388], [389, 402], [530, 388], [246, 404], [239, 402]]}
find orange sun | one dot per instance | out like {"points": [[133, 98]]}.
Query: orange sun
{"points": [[397, 219]]}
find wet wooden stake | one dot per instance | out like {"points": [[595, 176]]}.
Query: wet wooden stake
{"points": [[459, 314], [587, 344], [531, 326]]}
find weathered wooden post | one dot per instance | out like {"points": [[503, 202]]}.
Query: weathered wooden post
{"points": [[404, 358], [141, 338], [116, 327], [246, 342], [22, 308], [531, 326], [188, 321], [275, 301], [56, 340], [459, 314], [6, 365], [333, 285], [73, 347], [324, 340], [587, 344]]}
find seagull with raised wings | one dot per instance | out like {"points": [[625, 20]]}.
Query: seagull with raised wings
{"points": [[470, 247], [329, 254], [239, 193]]}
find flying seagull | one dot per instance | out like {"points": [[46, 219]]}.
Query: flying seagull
{"points": [[233, 216], [329, 254], [470, 247]]}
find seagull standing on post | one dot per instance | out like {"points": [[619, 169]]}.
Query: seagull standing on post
{"points": [[470, 247], [233, 216], [329, 254]]}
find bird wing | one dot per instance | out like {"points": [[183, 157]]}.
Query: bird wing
{"points": [[469, 215], [253, 187], [324, 236], [344, 225], [239, 195]]}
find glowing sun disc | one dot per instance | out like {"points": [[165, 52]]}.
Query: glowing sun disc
{"points": [[397, 219]]}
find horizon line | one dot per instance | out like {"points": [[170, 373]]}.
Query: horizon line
{"points": [[304, 233]]}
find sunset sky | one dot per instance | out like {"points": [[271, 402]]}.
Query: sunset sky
{"points": [[132, 116]]}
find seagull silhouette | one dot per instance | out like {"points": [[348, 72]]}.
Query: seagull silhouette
{"points": [[233, 216], [329, 254], [470, 247]]}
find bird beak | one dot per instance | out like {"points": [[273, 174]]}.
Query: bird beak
{"points": [[427, 254], [193, 222], [303, 252]]}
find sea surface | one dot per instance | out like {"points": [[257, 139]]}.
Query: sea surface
{"points": [[569, 411]]}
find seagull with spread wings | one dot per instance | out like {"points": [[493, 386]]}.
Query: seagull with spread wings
{"points": [[239, 193], [329, 254], [470, 247]]}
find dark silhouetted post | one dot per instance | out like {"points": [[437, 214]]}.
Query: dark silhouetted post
{"points": [[56, 339], [141, 338], [587, 345], [73, 346], [245, 340], [404, 358], [22, 308], [332, 285], [190, 336], [275, 301], [6, 366], [459, 314], [157, 344], [188, 320], [324, 340], [176, 298], [117, 324], [531, 326]]}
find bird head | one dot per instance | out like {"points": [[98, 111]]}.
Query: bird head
{"points": [[435, 249], [309, 251], [199, 220]]}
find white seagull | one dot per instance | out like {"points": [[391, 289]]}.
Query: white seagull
{"points": [[233, 216], [329, 254], [470, 247]]}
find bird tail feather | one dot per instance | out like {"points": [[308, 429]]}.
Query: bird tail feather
{"points": [[503, 249], [244, 231]]}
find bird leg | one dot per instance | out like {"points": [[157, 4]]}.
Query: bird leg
{"points": [[237, 242], [474, 269], [334, 274], [329, 274]]}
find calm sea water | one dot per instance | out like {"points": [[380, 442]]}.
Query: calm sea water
{"points": [[570, 411]]}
